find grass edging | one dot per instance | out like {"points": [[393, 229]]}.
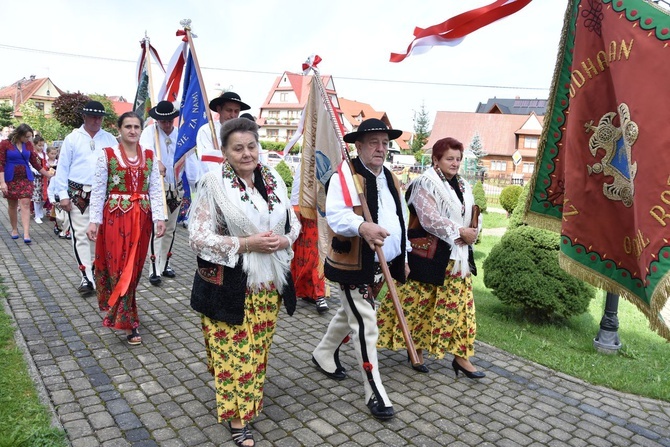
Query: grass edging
{"points": [[40, 425]]}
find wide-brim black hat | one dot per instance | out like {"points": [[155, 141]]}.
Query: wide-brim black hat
{"points": [[93, 108], [228, 97], [164, 111], [371, 125]]}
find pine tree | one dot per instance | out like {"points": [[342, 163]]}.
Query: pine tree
{"points": [[478, 151], [421, 130]]}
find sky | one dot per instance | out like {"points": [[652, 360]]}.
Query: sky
{"points": [[244, 45]]}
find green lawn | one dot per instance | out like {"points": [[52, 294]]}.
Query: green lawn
{"points": [[24, 422], [640, 367], [493, 219]]}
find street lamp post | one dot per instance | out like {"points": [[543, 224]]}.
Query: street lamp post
{"points": [[607, 340]]}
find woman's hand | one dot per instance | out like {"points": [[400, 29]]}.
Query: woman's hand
{"points": [[92, 231], [3, 188], [468, 236], [160, 228], [267, 242]]}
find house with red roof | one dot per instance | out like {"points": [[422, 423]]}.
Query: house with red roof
{"points": [[42, 91], [355, 112], [120, 105], [501, 135]]}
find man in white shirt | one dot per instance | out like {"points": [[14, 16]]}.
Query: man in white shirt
{"points": [[228, 106], [78, 155], [352, 260], [164, 131]]}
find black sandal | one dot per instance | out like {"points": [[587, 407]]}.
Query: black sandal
{"points": [[134, 338], [240, 435]]}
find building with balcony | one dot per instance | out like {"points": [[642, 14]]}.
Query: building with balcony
{"points": [[281, 111]]}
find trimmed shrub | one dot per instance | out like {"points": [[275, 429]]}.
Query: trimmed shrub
{"points": [[516, 219], [523, 271], [480, 196], [509, 197], [286, 174]]}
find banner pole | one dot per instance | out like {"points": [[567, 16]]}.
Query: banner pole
{"points": [[189, 38], [157, 144], [368, 218]]}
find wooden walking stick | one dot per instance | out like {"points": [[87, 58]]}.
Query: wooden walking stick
{"points": [[311, 64]]}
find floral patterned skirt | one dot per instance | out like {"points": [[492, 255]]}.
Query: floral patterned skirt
{"points": [[237, 356], [441, 319], [20, 187]]}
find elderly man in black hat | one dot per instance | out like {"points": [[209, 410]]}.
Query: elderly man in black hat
{"points": [[228, 106], [352, 262], [162, 133], [78, 154]]}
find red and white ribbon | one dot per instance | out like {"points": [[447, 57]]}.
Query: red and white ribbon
{"points": [[452, 31], [311, 62]]}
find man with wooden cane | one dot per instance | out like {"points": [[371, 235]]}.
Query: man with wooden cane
{"points": [[352, 261], [162, 132]]}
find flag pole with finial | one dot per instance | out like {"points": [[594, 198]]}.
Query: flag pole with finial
{"points": [[311, 64]]}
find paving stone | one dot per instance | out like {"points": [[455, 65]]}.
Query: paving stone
{"points": [[160, 394]]}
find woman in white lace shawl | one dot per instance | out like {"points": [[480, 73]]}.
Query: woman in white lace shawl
{"points": [[241, 227], [437, 298]]}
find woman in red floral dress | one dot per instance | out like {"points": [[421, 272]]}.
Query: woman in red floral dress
{"points": [[125, 198]]}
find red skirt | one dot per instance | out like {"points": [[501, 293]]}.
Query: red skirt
{"points": [[20, 187], [120, 252], [305, 264]]}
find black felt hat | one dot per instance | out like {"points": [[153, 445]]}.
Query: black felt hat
{"points": [[93, 108], [228, 97], [371, 125], [164, 111]]}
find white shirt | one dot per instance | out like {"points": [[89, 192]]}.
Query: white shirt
{"points": [[167, 146], [206, 149], [78, 156], [343, 221]]}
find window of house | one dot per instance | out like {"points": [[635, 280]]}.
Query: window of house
{"points": [[498, 165], [289, 133], [530, 142], [273, 114], [273, 133], [283, 97], [528, 168], [39, 105]]}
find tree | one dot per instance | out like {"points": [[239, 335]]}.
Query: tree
{"points": [[421, 131], [109, 121], [49, 128], [6, 112], [477, 149], [67, 109]]}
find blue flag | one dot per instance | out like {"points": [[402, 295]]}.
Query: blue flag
{"points": [[193, 115]]}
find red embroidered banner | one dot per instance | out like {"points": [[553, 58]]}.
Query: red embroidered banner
{"points": [[603, 166]]}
